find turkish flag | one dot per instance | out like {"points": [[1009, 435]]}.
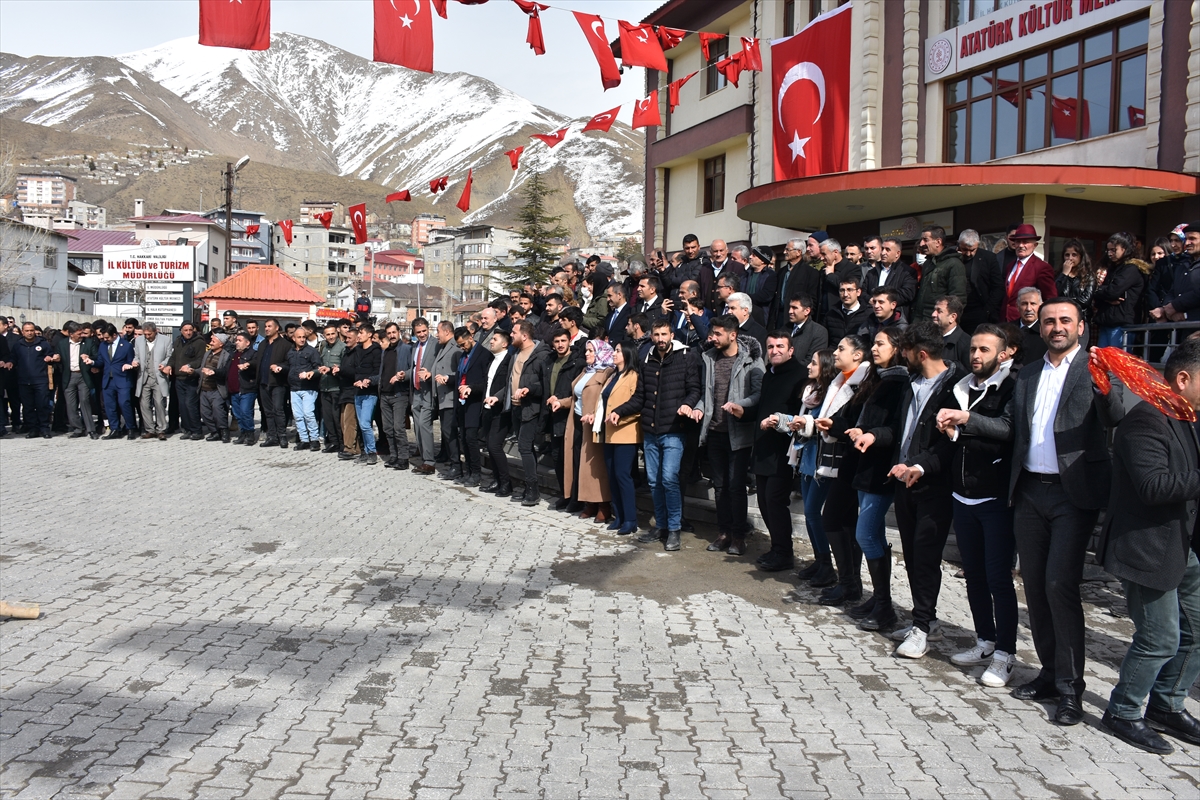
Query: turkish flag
{"points": [[325, 218], [810, 91], [670, 37], [731, 67], [645, 112], [464, 201], [534, 35], [514, 155], [673, 91], [404, 34], [245, 25], [1137, 116], [551, 139], [438, 184], [705, 38], [251, 230], [286, 227], [640, 47], [593, 29], [1063, 111], [401, 195], [752, 58], [602, 122], [358, 220], [440, 7]]}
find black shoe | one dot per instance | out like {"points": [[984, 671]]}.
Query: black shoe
{"points": [[775, 562], [574, 507], [687, 527], [1038, 692], [241, 438], [504, 489], [862, 610], [826, 576], [266, 443], [472, 480], [561, 503], [251, 439], [834, 596], [1137, 733], [491, 487], [532, 496], [94, 435], [49, 435], [300, 446], [331, 448], [225, 437], [720, 544], [284, 444], [401, 465], [652, 535], [454, 475], [1069, 712], [517, 496], [77, 435], [344, 456], [114, 434], [391, 462], [1179, 724], [672, 543], [809, 571]]}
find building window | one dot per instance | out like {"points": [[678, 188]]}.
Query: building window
{"points": [[814, 9], [714, 80], [960, 11], [789, 17], [1087, 86], [437, 267], [714, 184], [51, 258], [123, 296]]}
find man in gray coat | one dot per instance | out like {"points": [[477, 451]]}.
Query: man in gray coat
{"points": [[1060, 480], [151, 353], [424, 398], [445, 367], [1147, 543]]}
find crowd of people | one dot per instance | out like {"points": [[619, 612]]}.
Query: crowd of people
{"points": [[955, 390]]}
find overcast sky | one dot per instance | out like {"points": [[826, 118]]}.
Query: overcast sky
{"points": [[487, 40]]}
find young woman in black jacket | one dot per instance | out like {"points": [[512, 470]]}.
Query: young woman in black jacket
{"points": [[875, 437], [1118, 299]]}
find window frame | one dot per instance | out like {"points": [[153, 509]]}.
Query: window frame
{"points": [[714, 81], [710, 201]]}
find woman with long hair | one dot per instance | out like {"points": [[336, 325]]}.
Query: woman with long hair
{"points": [[1160, 249], [838, 460], [1118, 298], [1076, 278], [813, 489], [622, 435], [875, 437], [585, 480]]}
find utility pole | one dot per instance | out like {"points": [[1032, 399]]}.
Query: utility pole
{"points": [[228, 218]]}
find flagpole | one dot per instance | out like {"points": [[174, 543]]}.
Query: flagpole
{"points": [[370, 254]]}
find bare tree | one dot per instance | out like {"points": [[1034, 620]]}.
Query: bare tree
{"points": [[20, 244]]}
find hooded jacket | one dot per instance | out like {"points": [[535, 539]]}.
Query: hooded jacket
{"points": [[1118, 300], [745, 388], [980, 467], [943, 275], [666, 384]]}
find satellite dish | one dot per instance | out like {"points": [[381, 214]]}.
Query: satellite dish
{"points": [[243, 161]]}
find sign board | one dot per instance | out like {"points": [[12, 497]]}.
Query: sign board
{"points": [[908, 229], [169, 310], [162, 287], [149, 261], [1016, 28], [161, 297], [165, 321]]}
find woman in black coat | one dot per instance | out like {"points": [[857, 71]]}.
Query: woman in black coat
{"points": [[875, 437], [1118, 299]]}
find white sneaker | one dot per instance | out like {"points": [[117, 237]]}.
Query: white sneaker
{"points": [[1000, 671], [914, 645], [934, 635], [981, 653]]}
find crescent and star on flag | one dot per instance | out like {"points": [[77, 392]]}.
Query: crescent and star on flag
{"points": [[804, 71]]}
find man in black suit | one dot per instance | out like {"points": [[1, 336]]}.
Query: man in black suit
{"points": [[721, 264], [1029, 302], [808, 335], [947, 311], [893, 274], [848, 314], [985, 282], [793, 278], [1146, 542], [470, 381], [1060, 480], [742, 307], [650, 300], [615, 323]]}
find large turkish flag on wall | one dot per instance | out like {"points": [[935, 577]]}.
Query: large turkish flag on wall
{"points": [[404, 33], [245, 25], [810, 90]]}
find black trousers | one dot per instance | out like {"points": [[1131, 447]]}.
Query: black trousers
{"points": [[189, 406], [12, 398], [448, 420], [172, 407], [526, 433], [470, 442], [924, 518], [275, 401], [557, 445], [729, 468], [576, 453], [331, 417], [840, 519], [393, 409], [35, 403], [496, 430], [774, 501], [1052, 539]]}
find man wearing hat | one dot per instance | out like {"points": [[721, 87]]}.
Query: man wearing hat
{"points": [[1182, 300], [214, 393], [1026, 269], [760, 281]]}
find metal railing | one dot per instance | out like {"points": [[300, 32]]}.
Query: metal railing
{"points": [[1154, 343]]}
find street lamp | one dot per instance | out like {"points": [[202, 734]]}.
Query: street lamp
{"points": [[231, 170]]}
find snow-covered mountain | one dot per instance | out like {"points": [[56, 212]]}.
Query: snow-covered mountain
{"points": [[309, 105]]}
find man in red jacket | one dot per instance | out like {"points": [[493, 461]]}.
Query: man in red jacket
{"points": [[1026, 270]]}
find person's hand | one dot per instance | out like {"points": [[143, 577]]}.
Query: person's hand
{"points": [[165, 369], [127, 367], [336, 369], [1157, 314], [423, 374], [208, 371], [797, 423], [685, 411], [50, 360], [135, 363], [588, 419], [85, 358], [908, 475], [464, 391], [554, 404], [614, 419], [488, 402], [733, 409], [769, 422], [361, 384], [399, 376], [824, 424], [306, 375], [697, 415], [668, 306], [323, 370], [56, 358], [243, 367], [520, 393], [949, 418], [442, 380], [188, 368], [1178, 316], [853, 433], [864, 441]]}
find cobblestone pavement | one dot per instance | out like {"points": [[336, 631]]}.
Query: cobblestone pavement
{"points": [[224, 622]]}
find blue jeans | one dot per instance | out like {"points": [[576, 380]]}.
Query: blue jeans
{"points": [[870, 532], [986, 543], [364, 410], [815, 490], [304, 411], [1164, 658], [619, 459], [243, 410], [663, 454], [1111, 337]]}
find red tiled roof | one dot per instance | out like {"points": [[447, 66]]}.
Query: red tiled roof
{"points": [[93, 241], [261, 282]]}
